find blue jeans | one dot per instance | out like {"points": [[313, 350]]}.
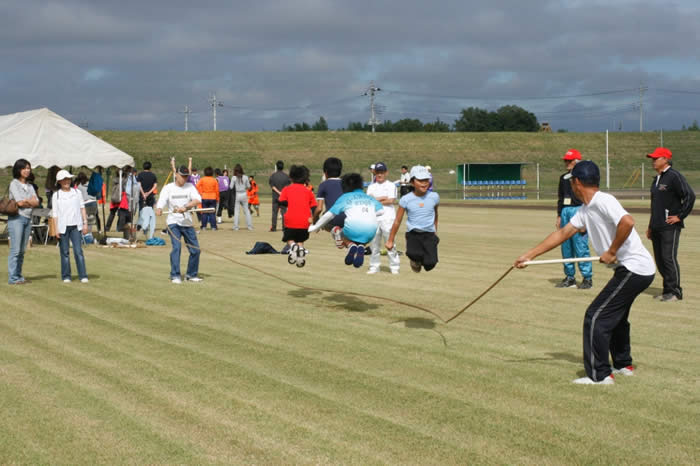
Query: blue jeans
{"points": [[209, 218], [576, 246], [19, 229], [187, 234], [72, 235]]}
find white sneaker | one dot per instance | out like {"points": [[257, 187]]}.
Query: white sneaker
{"points": [[301, 256], [67, 280], [372, 271], [609, 380], [218, 220], [628, 371], [395, 271], [84, 280], [193, 279], [337, 234], [292, 257], [176, 280]]}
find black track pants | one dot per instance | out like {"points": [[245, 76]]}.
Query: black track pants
{"points": [[606, 328], [665, 244], [422, 247]]}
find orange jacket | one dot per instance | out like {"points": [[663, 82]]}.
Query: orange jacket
{"points": [[253, 193], [208, 187]]}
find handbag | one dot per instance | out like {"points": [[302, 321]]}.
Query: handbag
{"points": [[8, 206]]}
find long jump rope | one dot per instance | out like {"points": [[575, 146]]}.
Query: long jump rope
{"points": [[352, 293]]}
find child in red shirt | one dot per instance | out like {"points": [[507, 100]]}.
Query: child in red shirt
{"points": [[300, 202]]}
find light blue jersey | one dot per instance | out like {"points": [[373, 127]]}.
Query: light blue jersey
{"points": [[360, 215], [420, 211]]}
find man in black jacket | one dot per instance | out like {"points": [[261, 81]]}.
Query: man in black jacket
{"points": [[278, 181], [672, 200]]}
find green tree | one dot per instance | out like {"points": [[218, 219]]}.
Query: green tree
{"points": [[473, 119], [320, 125], [436, 127], [514, 118], [694, 126]]}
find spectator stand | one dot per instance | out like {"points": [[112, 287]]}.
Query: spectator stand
{"points": [[492, 181]]}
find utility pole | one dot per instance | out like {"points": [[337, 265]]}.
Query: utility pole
{"points": [[371, 90], [213, 102], [642, 89], [187, 115]]}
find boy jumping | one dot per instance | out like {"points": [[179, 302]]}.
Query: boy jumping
{"points": [[299, 202], [361, 213]]}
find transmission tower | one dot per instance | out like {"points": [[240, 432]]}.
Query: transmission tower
{"points": [[187, 117], [642, 89], [371, 91], [214, 103]]}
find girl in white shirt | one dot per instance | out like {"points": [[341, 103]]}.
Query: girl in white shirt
{"points": [[71, 220]]}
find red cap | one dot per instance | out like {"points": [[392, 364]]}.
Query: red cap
{"points": [[572, 154], [660, 152]]}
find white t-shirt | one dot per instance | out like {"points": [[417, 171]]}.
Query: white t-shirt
{"points": [[65, 208], [600, 218], [173, 196], [386, 189]]}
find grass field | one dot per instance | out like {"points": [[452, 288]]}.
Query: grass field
{"points": [[245, 369]]}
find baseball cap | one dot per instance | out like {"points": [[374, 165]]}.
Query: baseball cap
{"points": [[183, 171], [660, 152], [419, 172], [371, 167], [380, 167], [62, 175], [572, 154], [587, 172]]}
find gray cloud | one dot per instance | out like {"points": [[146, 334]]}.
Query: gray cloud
{"points": [[134, 65]]}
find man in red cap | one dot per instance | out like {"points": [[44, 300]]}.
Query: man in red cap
{"points": [[672, 200], [576, 246]]}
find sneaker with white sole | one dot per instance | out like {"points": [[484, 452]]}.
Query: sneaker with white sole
{"points": [[84, 280], [372, 271], [394, 271], [337, 234], [293, 253], [628, 371], [301, 256], [66, 280], [586, 284], [176, 280], [194, 279], [609, 380], [567, 282]]}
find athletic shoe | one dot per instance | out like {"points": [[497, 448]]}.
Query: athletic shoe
{"points": [[219, 220], [586, 284], [568, 282], [628, 371], [609, 380], [271, 228], [66, 280], [301, 256], [194, 279], [394, 271], [415, 266], [84, 280], [669, 297], [359, 257], [350, 257], [372, 271], [176, 280], [293, 253], [337, 234]]}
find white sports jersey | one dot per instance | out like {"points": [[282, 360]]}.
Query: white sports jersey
{"points": [[600, 218]]}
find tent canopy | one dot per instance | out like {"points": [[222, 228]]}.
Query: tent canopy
{"points": [[45, 139]]}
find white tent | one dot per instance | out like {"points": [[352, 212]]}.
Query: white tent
{"points": [[45, 139]]}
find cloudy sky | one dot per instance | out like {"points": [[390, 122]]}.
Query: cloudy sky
{"points": [[134, 65]]}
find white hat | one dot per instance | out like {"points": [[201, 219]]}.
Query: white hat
{"points": [[419, 172], [62, 175]]}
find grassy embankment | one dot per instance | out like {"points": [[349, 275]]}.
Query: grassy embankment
{"points": [[257, 152]]}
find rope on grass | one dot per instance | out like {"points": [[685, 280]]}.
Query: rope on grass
{"points": [[352, 293]]}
